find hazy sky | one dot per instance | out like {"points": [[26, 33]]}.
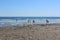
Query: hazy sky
{"points": [[30, 8]]}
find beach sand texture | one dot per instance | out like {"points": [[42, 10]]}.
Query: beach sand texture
{"points": [[47, 32]]}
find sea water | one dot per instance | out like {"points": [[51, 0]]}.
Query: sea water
{"points": [[13, 21]]}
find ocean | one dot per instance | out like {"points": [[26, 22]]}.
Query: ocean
{"points": [[13, 21]]}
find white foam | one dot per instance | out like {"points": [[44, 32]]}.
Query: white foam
{"points": [[25, 22]]}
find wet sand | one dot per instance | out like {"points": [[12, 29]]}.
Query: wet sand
{"points": [[44, 32]]}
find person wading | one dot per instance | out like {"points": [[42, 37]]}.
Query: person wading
{"points": [[33, 21], [47, 21]]}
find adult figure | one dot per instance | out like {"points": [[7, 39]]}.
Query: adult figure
{"points": [[33, 21], [47, 21]]}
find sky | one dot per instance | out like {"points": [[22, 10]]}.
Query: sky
{"points": [[39, 8]]}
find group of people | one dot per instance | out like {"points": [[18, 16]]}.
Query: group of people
{"points": [[47, 21], [33, 21], [30, 21]]}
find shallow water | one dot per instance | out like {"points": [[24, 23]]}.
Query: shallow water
{"points": [[24, 21]]}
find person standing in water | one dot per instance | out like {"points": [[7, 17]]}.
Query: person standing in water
{"points": [[28, 21], [16, 20], [33, 21], [47, 21]]}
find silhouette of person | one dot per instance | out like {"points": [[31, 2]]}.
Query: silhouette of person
{"points": [[33, 21], [16, 20], [47, 21], [28, 21]]}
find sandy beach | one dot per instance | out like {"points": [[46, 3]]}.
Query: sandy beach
{"points": [[44, 32]]}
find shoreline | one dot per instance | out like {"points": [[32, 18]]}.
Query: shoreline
{"points": [[32, 25]]}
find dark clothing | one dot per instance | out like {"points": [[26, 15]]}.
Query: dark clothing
{"points": [[33, 21], [47, 21]]}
